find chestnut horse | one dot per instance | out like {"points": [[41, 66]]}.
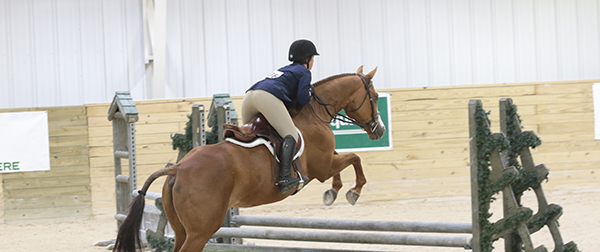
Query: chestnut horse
{"points": [[210, 179]]}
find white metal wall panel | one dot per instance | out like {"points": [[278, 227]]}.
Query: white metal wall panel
{"points": [[331, 60], [415, 43], [80, 51], [134, 37], [215, 37], [567, 30], [238, 43], [5, 82], [20, 39], [193, 69], [503, 27], [440, 57], [69, 52], [397, 50], [547, 46], [462, 42], [589, 38], [351, 34], [92, 45], [177, 36], [260, 43]]}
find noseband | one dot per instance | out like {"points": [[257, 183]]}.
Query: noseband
{"points": [[372, 124]]}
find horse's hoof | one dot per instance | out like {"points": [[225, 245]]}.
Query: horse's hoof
{"points": [[352, 196], [329, 196]]}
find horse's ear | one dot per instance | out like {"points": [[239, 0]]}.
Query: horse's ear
{"points": [[360, 69], [372, 73]]}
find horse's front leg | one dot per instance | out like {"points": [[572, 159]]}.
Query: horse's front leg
{"points": [[338, 163], [330, 195]]}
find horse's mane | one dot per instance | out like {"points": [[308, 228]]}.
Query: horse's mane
{"points": [[330, 78]]}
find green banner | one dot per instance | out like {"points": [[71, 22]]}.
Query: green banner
{"points": [[350, 137]]}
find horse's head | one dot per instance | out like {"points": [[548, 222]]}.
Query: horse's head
{"points": [[363, 106]]}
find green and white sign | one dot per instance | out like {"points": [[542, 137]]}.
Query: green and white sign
{"points": [[350, 137], [25, 143]]}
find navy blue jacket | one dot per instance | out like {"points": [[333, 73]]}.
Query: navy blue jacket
{"points": [[289, 83]]}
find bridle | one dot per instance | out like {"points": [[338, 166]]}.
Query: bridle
{"points": [[372, 124]]}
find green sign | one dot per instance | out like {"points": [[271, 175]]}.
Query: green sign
{"points": [[350, 137]]}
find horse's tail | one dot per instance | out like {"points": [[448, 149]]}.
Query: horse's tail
{"points": [[129, 233]]}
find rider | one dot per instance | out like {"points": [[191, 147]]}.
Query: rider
{"points": [[275, 95]]}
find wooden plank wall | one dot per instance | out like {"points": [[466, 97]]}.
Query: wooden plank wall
{"points": [[430, 135], [430, 157], [64, 192], [158, 120]]}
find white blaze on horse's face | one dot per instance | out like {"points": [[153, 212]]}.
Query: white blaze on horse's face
{"points": [[376, 132], [376, 128]]}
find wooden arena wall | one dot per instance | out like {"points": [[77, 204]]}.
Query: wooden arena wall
{"points": [[430, 156], [158, 120], [64, 192]]}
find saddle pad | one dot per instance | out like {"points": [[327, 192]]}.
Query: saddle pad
{"points": [[261, 141]]}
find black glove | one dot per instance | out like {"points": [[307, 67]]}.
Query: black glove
{"points": [[311, 90]]}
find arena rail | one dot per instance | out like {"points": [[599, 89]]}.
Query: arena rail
{"points": [[349, 225], [362, 225]]}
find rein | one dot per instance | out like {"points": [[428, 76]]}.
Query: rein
{"points": [[373, 123]]}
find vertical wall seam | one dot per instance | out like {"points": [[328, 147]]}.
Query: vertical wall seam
{"points": [[273, 54], [494, 28], [515, 41], [125, 41], [250, 44], [320, 66], [142, 42], [339, 31], [227, 53], [558, 43], [57, 56], [104, 86], [428, 35], [407, 43], [536, 41], [181, 17], [80, 83], [386, 44], [33, 57], [473, 42], [293, 13], [206, 89], [9, 57], [361, 29], [451, 45], [579, 37]]}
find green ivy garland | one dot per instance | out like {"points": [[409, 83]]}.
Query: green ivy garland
{"points": [[525, 180], [184, 142], [486, 143]]}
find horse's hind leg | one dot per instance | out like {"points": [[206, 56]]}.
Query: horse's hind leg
{"points": [[180, 234], [342, 161], [201, 203], [202, 221]]}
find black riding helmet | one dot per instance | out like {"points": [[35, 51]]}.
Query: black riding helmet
{"points": [[301, 49]]}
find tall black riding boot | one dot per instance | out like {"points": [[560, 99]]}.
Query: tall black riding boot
{"points": [[286, 154]]}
